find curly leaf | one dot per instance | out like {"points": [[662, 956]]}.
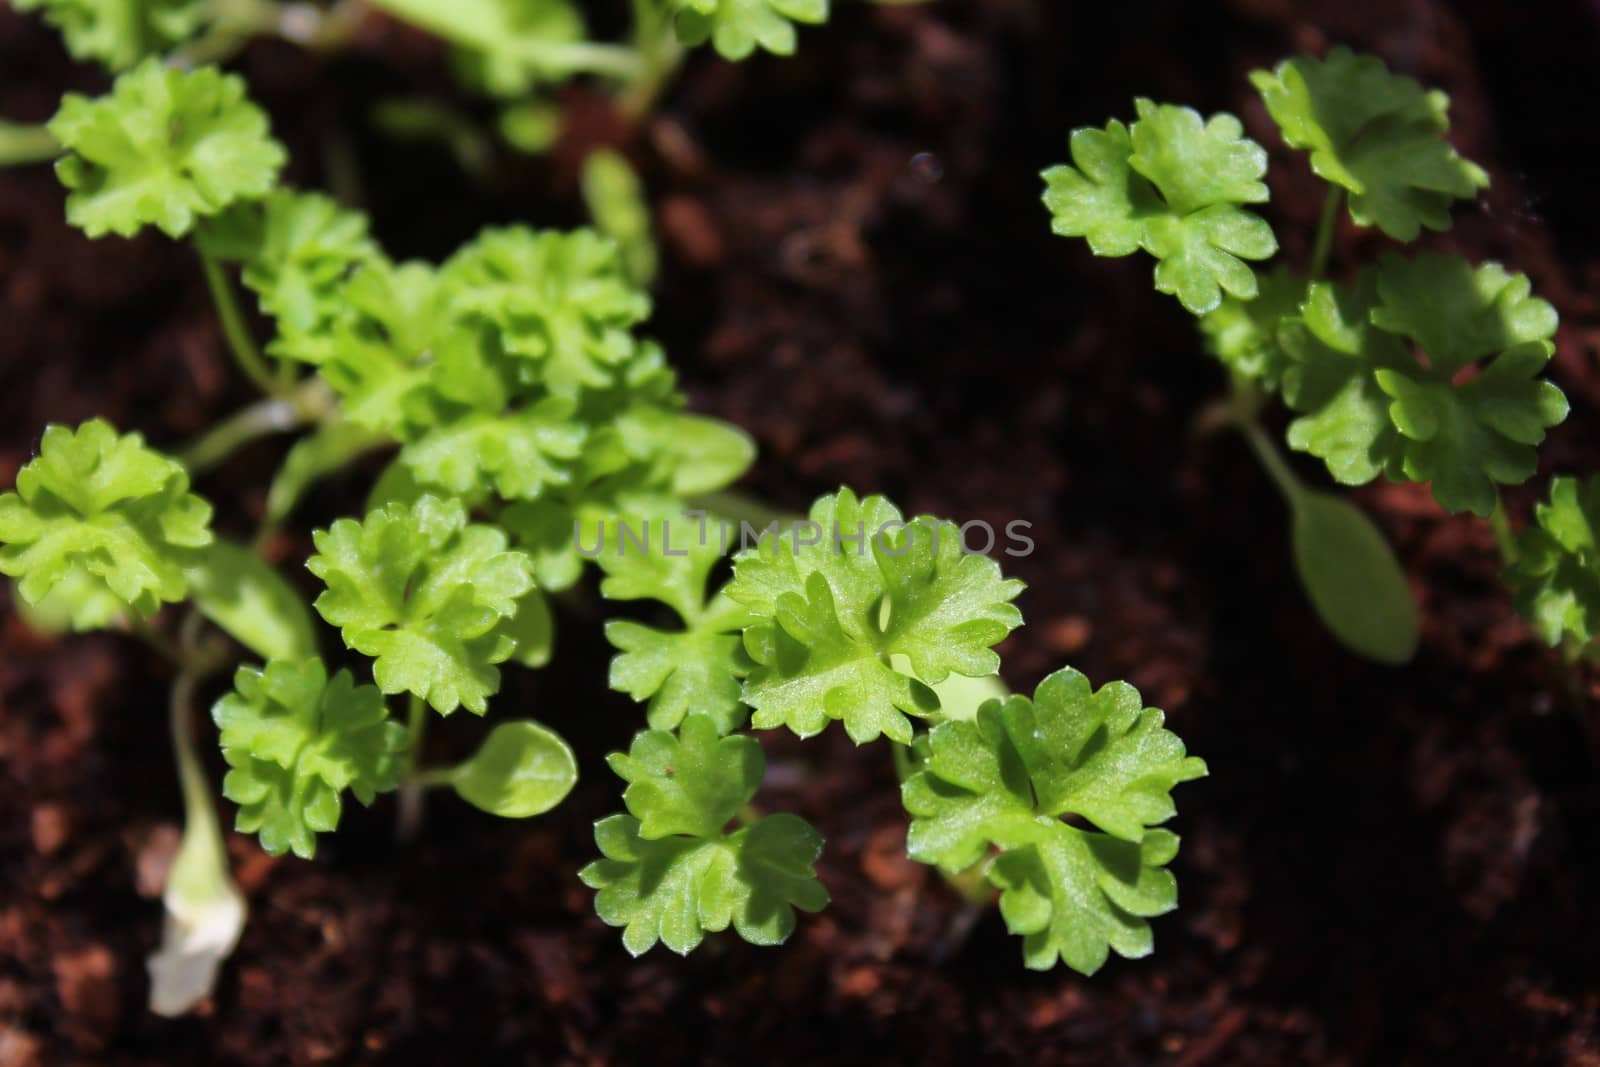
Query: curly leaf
{"points": [[664, 554], [1376, 134], [295, 740], [102, 512], [1174, 184], [163, 148], [426, 595], [377, 353], [520, 454], [671, 874], [297, 249], [119, 33], [737, 27], [1555, 576], [1334, 353], [840, 595], [1006, 780], [692, 782], [1243, 334], [561, 299], [1467, 436]]}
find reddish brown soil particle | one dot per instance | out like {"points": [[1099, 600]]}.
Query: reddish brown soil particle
{"points": [[1385, 866]]}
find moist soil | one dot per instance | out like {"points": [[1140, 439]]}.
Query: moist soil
{"points": [[1386, 866]]}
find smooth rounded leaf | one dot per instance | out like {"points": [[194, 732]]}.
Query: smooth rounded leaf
{"points": [[240, 592], [524, 768], [1352, 578]]}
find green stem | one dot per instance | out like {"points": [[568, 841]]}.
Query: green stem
{"points": [[1322, 249], [21, 144], [903, 767], [584, 57], [234, 329], [413, 782], [741, 507], [1500, 522], [199, 812], [660, 53], [311, 403], [261, 419], [1271, 460]]}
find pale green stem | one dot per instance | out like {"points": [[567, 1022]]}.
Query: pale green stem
{"points": [[311, 402], [409, 818], [660, 55], [21, 144], [1271, 460], [1500, 522], [234, 328], [903, 768], [1322, 249], [741, 507], [584, 57], [261, 419], [199, 812]]}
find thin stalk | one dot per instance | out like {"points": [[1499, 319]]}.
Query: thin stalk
{"points": [[245, 352], [199, 812], [742, 508], [21, 144], [413, 784], [903, 767], [585, 57], [1272, 460], [660, 54], [261, 419], [1500, 522], [1322, 249]]}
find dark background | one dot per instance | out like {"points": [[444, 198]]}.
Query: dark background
{"points": [[1385, 866]]}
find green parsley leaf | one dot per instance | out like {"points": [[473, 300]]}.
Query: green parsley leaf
{"points": [[164, 147], [1174, 184], [1555, 576], [837, 598], [119, 33], [1467, 436], [671, 874], [1006, 780], [1377, 134], [663, 554], [426, 594], [1334, 351], [1243, 334], [520, 453], [295, 740], [102, 512], [737, 28], [297, 249], [505, 47], [561, 299]]}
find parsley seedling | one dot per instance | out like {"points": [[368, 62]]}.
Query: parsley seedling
{"points": [[1423, 369]]}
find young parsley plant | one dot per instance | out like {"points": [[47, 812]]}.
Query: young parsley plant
{"points": [[1423, 369]]}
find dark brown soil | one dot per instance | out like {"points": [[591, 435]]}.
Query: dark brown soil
{"points": [[1385, 866]]}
